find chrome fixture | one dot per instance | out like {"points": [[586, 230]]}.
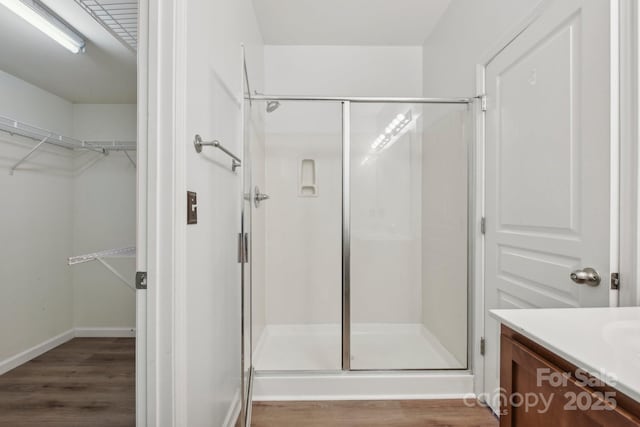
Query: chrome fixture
{"points": [[198, 143], [346, 236], [259, 197], [586, 276], [272, 106], [360, 99]]}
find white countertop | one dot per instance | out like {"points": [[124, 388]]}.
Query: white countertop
{"points": [[603, 341]]}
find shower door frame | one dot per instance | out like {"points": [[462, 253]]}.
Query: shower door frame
{"points": [[346, 103]]}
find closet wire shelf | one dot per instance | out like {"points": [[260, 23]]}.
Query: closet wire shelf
{"points": [[44, 136], [127, 252], [119, 17]]}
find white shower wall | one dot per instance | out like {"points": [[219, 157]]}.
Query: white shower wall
{"points": [[303, 234], [256, 139], [385, 194], [303, 269], [444, 225]]}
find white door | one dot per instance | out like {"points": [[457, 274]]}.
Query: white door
{"points": [[547, 166]]}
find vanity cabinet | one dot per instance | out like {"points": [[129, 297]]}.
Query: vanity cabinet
{"points": [[539, 388]]}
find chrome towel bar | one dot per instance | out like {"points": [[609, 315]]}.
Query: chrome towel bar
{"points": [[198, 143]]}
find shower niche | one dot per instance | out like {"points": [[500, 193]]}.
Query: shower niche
{"points": [[308, 181]]}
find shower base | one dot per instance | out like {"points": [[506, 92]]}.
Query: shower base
{"points": [[390, 361], [373, 347]]}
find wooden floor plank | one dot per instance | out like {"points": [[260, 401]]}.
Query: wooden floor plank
{"points": [[390, 413], [84, 382], [91, 382]]}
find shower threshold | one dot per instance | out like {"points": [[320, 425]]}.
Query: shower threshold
{"points": [[389, 361]]}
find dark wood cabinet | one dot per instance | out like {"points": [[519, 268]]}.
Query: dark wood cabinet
{"points": [[539, 388]]}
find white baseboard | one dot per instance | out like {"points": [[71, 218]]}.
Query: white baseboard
{"points": [[105, 332], [35, 351], [234, 411]]}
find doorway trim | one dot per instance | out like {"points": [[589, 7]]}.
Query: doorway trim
{"points": [[161, 236], [142, 376]]}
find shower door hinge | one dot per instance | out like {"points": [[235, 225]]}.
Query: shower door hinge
{"points": [[141, 280], [243, 248], [615, 281], [482, 344], [483, 102], [483, 225]]}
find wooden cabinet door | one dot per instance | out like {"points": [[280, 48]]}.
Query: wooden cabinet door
{"points": [[529, 398]]}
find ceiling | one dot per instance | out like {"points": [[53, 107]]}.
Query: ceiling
{"points": [[348, 22], [104, 74]]}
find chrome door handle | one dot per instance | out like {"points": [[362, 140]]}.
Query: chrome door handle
{"points": [[586, 276], [259, 197]]}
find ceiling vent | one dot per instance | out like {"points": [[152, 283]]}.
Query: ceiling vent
{"points": [[119, 17]]}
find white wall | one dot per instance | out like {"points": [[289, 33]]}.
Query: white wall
{"points": [[104, 200], [467, 33], [26, 102], [62, 213], [36, 217], [212, 86], [343, 70], [303, 235]]}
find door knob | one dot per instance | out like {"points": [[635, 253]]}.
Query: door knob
{"points": [[259, 197], [586, 276]]}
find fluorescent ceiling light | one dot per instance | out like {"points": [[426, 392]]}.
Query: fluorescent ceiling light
{"points": [[46, 21]]}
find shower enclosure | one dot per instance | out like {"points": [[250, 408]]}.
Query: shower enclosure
{"points": [[359, 234]]}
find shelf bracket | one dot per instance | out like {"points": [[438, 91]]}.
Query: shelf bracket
{"points": [[33, 150], [91, 162], [117, 274], [130, 159]]}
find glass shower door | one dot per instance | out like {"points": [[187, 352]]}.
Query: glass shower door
{"points": [[408, 236], [297, 249], [245, 258]]}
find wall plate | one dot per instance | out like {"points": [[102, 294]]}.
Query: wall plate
{"points": [[192, 207]]}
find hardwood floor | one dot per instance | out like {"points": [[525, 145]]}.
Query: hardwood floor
{"points": [[84, 382], [392, 413]]}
